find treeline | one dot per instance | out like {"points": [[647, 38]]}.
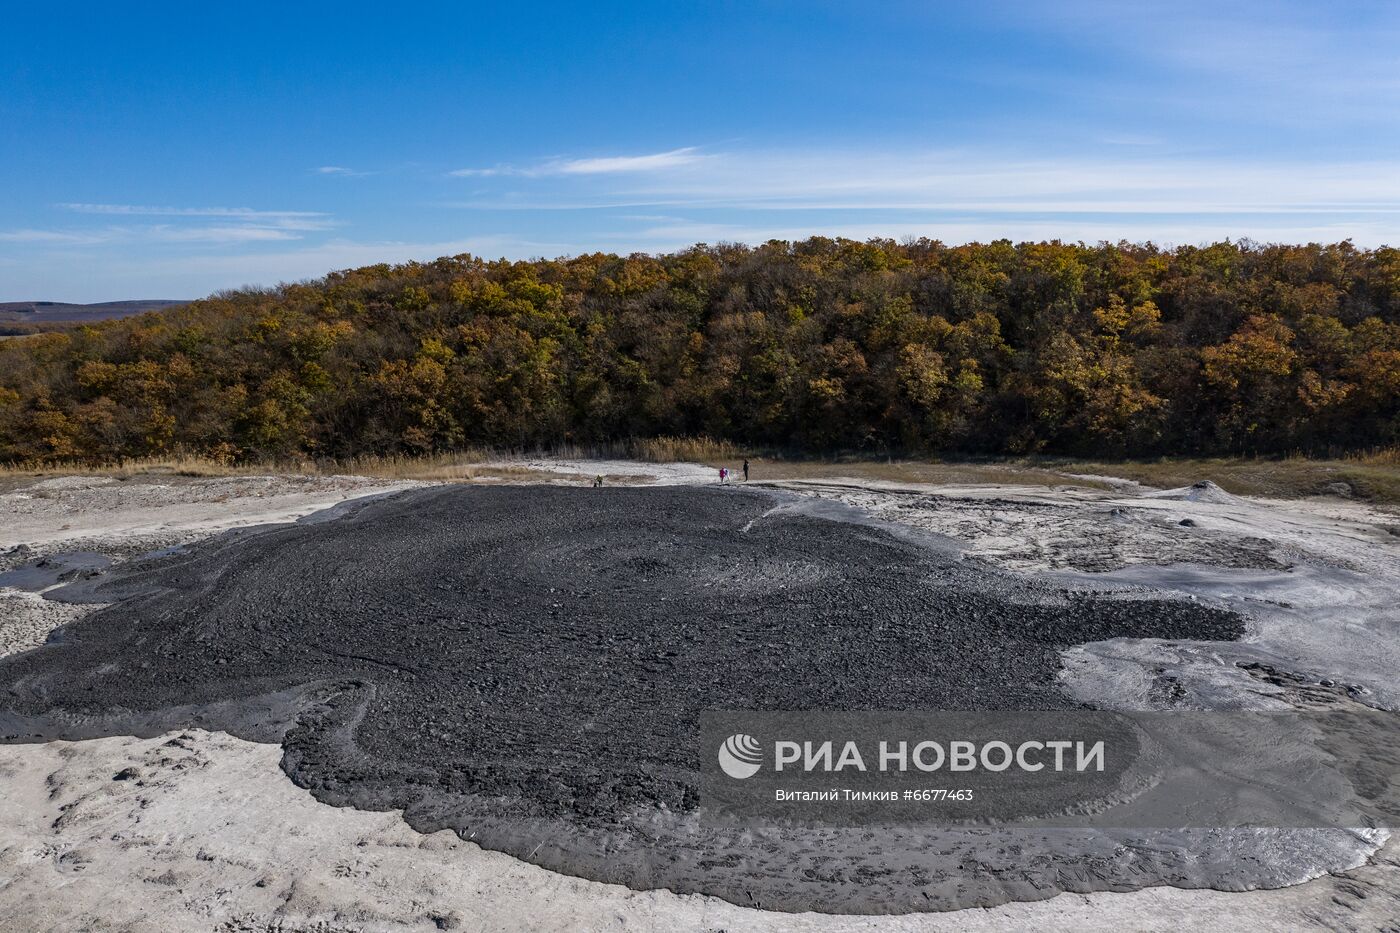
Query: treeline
{"points": [[822, 345]]}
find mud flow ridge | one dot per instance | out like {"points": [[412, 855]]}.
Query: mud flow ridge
{"points": [[527, 664]]}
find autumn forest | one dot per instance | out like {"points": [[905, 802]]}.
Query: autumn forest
{"points": [[817, 346]]}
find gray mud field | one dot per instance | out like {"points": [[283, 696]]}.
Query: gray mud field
{"points": [[526, 666]]}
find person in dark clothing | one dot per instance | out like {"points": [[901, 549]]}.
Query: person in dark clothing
{"points": [[746, 470]]}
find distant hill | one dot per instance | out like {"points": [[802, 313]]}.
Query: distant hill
{"points": [[59, 312]]}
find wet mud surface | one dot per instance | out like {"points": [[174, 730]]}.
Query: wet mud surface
{"points": [[527, 665]]}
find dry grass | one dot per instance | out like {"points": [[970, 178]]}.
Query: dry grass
{"points": [[465, 465], [650, 450], [440, 467], [1379, 456], [178, 465], [471, 464]]}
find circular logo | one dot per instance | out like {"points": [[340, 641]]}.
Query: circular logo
{"points": [[739, 756]]}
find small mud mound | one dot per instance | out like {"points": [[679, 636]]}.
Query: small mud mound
{"points": [[528, 664], [1203, 491]]}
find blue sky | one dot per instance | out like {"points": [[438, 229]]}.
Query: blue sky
{"points": [[169, 150]]}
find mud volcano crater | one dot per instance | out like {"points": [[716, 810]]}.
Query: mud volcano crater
{"points": [[526, 665]]}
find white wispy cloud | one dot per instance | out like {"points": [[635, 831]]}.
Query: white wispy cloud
{"points": [[974, 181], [657, 161], [54, 237], [220, 234], [174, 225], [599, 165], [484, 172], [153, 233], [246, 213], [1130, 139], [340, 171]]}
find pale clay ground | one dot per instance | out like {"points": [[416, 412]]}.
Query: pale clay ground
{"points": [[211, 835]]}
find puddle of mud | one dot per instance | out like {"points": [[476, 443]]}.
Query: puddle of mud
{"points": [[53, 569], [527, 666]]}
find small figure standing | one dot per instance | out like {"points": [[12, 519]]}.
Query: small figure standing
{"points": [[723, 474], [746, 469], [598, 481]]}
